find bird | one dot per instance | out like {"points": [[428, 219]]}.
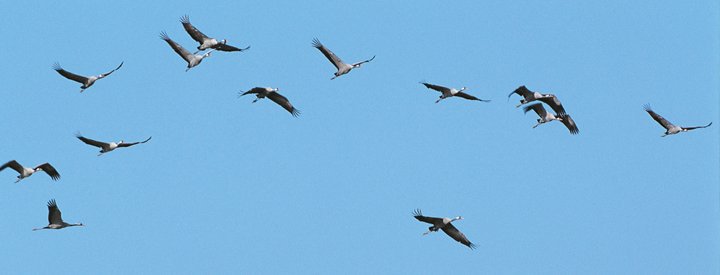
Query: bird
{"points": [[55, 218], [192, 59], [342, 67], [450, 92], [670, 129], [272, 94], [546, 117], [205, 41], [107, 147], [27, 171], [85, 81], [446, 225], [530, 96]]}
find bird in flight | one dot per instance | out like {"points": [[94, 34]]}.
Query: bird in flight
{"points": [[205, 41], [55, 218], [272, 94], [450, 92], [108, 146], [86, 81], [28, 171], [546, 117], [191, 59], [446, 225], [670, 129], [342, 67]]}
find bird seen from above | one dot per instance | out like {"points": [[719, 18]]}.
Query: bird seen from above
{"points": [[446, 225], [191, 59], [27, 171], [55, 218], [546, 117], [670, 129], [450, 92], [107, 147], [85, 81], [272, 94], [342, 67], [205, 41]]}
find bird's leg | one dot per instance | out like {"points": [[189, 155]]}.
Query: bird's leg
{"points": [[187, 70], [256, 100], [101, 153], [518, 106], [441, 98], [334, 77], [536, 125], [18, 180], [429, 231], [663, 135], [82, 90]]}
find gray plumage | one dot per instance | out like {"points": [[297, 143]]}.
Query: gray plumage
{"points": [[446, 92], [444, 224], [28, 171], [55, 220], [86, 81], [670, 129], [272, 94], [530, 96], [108, 146], [191, 59], [205, 41], [342, 67], [546, 117]]}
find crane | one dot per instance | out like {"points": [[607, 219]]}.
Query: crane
{"points": [[55, 218], [670, 129], [86, 81], [28, 171], [108, 146], [342, 67], [450, 92], [192, 59], [446, 225], [546, 117], [205, 41], [272, 94]]}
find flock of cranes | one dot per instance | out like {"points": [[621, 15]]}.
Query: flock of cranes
{"points": [[534, 101]]}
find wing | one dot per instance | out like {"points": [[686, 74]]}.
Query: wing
{"points": [[554, 103], [538, 108], [196, 34], [176, 47], [330, 55], [69, 75], [91, 141], [14, 165], [666, 124], [436, 87], [50, 170], [457, 235], [108, 73], [227, 48], [284, 102], [696, 127], [522, 91], [363, 62], [467, 96], [431, 220], [54, 214], [570, 124], [255, 90], [133, 143]]}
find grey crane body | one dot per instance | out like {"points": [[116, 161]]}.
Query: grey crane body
{"points": [[55, 218], [446, 92], [191, 59], [546, 117], [342, 67], [670, 129], [205, 41], [85, 81], [25, 172], [530, 96], [106, 147], [444, 224], [272, 94]]}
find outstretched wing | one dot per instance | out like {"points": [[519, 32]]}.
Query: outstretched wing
{"points": [[92, 142], [196, 34], [50, 170], [522, 91], [176, 47], [54, 214], [284, 102], [255, 90], [444, 90], [227, 48], [14, 165], [133, 143], [696, 127], [570, 124], [363, 62], [108, 73], [328, 54], [431, 220], [664, 122], [467, 96], [457, 235], [538, 108], [554, 103], [69, 75]]}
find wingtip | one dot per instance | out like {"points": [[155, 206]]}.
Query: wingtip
{"points": [[164, 36], [185, 19], [56, 66]]}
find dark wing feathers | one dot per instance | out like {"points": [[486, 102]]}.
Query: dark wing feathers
{"points": [[328, 54], [50, 170], [554, 103], [176, 47], [470, 97], [133, 143], [522, 91], [255, 90], [196, 34], [436, 87], [666, 124], [537, 107], [54, 214], [284, 102], [696, 127], [457, 235], [69, 75], [14, 165], [92, 142], [108, 73], [570, 124], [419, 216], [227, 48], [363, 62]]}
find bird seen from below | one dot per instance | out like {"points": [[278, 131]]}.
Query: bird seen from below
{"points": [[27, 171], [205, 41], [446, 225], [272, 94], [191, 59], [342, 67], [546, 117], [530, 96], [55, 218], [107, 147], [85, 81], [450, 92], [670, 129]]}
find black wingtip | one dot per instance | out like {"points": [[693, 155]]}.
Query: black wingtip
{"points": [[164, 36], [316, 43], [185, 19], [295, 112], [647, 107], [417, 212], [56, 66]]}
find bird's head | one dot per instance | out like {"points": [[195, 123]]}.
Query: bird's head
{"points": [[458, 218], [462, 89], [121, 142], [224, 41]]}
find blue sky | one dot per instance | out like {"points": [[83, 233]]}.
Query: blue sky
{"points": [[227, 186]]}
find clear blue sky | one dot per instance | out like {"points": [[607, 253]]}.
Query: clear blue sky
{"points": [[227, 186]]}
